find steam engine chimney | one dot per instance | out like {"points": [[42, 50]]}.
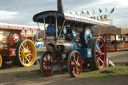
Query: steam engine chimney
{"points": [[60, 5]]}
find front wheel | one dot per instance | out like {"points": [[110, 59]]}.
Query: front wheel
{"points": [[74, 64], [26, 53], [46, 63]]}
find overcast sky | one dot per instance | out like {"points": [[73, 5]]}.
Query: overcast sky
{"points": [[21, 11]]}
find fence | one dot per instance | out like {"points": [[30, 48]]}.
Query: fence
{"points": [[117, 47]]}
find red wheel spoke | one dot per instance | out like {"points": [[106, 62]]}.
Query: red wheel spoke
{"points": [[48, 57], [77, 69], [77, 58], [45, 59], [74, 58], [47, 67], [73, 71], [98, 62], [102, 54], [96, 55], [44, 66], [101, 46], [73, 64], [97, 50], [101, 60]]}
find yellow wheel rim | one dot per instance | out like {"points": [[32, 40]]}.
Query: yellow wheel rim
{"points": [[27, 53], [0, 60]]}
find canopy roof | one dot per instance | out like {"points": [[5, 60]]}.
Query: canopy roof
{"points": [[5, 26], [50, 16]]}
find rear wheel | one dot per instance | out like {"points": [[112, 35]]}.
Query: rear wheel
{"points": [[46, 63], [74, 64], [26, 53], [99, 54]]}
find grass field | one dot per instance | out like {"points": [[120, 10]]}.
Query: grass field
{"points": [[109, 72]]}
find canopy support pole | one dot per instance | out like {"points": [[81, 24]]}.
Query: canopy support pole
{"points": [[44, 29], [62, 28], [40, 29], [56, 29]]}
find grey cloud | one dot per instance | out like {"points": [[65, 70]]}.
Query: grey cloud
{"points": [[27, 8]]}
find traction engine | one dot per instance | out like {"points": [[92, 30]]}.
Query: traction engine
{"points": [[14, 47], [70, 43]]}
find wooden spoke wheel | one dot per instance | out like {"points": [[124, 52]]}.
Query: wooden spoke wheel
{"points": [[99, 54], [74, 64], [46, 63], [26, 53], [0, 61]]}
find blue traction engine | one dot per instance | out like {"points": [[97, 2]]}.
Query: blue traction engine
{"points": [[70, 43]]}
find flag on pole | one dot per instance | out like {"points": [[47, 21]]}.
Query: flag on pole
{"points": [[106, 10], [100, 10], [112, 10], [76, 13]]}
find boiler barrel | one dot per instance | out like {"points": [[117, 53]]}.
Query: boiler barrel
{"points": [[69, 46]]}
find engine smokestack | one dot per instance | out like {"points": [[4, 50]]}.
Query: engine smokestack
{"points": [[60, 5]]}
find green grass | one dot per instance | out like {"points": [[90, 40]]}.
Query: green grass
{"points": [[97, 75], [28, 74]]}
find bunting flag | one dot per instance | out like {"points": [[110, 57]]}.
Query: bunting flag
{"points": [[112, 10], [76, 13], [82, 12], [70, 12], [87, 12], [100, 10]]}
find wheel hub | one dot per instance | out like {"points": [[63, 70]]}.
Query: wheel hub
{"points": [[25, 53], [47, 63], [99, 53], [75, 64]]}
